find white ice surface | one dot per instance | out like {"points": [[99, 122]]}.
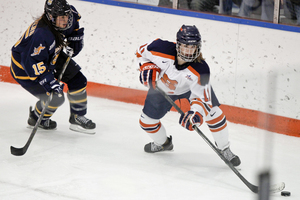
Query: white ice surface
{"points": [[111, 164]]}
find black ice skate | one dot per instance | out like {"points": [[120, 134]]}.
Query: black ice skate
{"points": [[82, 124], [47, 124], [152, 147], [234, 159]]}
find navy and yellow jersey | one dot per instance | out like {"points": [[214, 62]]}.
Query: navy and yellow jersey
{"points": [[36, 52], [174, 79]]}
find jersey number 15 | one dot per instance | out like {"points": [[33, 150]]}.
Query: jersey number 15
{"points": [[39, 68]]}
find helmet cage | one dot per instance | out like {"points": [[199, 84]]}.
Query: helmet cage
{"points": [[55, 8], [188, 44], [188, 53]]}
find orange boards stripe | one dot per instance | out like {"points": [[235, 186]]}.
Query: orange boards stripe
{"points": [[5, 75], [273, 123]]}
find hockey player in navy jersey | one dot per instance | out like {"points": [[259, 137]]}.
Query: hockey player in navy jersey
{"points": [[37, 61], [181, 72]]}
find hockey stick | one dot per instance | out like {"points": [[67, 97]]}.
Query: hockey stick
{"points": [[274, 188], [21, 151]]}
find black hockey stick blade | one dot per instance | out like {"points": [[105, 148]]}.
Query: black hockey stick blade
{"points": [[21, 151], [18, 151], [273, 189]]}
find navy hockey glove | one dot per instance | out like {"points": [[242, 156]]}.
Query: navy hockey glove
{"points": [[75, 41], [58, 89], [149, 74], [190, 118], [49, 83]]}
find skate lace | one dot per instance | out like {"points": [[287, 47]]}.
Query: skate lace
{"points": [[155, 147], [82, 119], [228, 154], [46, 123]]}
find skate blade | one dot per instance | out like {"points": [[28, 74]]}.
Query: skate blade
{"points": [[167, 151], [164, 151], [39, 128], [78, 128]]}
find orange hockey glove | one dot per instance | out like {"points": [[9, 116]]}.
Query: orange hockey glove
{"points": [[149, 74]]}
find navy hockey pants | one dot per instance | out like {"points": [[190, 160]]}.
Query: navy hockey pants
{"points": [[156, 105]]}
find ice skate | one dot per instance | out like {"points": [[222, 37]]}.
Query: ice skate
{"points": [[232, 158], [82, 124], [47, 124], [152, 147]]}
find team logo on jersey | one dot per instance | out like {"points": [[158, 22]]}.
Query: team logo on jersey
{"points": [[188, 77], [37, 50]]}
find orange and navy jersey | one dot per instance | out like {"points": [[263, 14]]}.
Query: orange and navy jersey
{"points": [[194, 77], [36, 51]]}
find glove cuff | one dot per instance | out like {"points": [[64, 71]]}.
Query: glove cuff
{"points": [[48, 81]]}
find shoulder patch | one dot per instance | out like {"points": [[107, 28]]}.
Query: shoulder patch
{"points": [[37, 50]]}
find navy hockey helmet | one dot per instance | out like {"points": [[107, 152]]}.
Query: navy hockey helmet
{"points": [[55, 8], [188, 44]]}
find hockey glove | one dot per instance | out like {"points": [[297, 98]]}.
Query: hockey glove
{"points": [[189, 119], [149, 74], [49, 83], [75, 41]]}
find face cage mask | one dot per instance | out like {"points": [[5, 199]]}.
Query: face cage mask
{"points": [[186, 54], [70, 21]]}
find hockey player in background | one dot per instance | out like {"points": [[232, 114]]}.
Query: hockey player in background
{"points": [[181, 72], [37, 61]]}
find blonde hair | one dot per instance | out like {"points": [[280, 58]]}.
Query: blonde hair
{"points": [[199, 58]]}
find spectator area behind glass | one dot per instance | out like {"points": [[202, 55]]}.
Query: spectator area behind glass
{"points": [[288, 10]]}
